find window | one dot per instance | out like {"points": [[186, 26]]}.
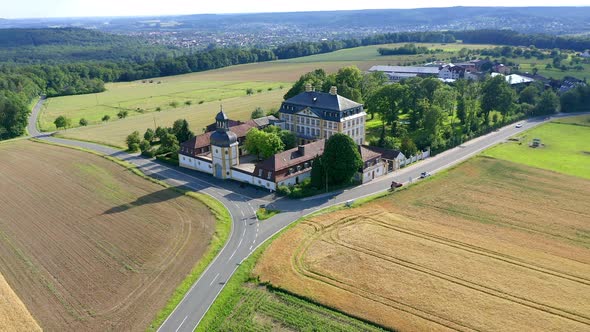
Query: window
{"points": [[216, 151], [269, 175], [306, 165], [260, 172], [290, 170], [226, 152], [298, 168]]}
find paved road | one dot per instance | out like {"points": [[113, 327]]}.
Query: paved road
{"points": [[247, 231]]}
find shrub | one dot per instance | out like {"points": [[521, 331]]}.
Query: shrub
{"points": [[83, 122], [122, 114], [283, 190], [158, 109], [249, 91], [106, 118], [133, 141], [144, 146], [188, 103], [201, 101], [259, 90], [174, 104]]}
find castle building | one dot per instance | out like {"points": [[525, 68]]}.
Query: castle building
{"points": [[224, 147], [313, 115]]}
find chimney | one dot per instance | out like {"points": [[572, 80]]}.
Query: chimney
{"points": [[307, 87], [333, 90], [301, 149]]}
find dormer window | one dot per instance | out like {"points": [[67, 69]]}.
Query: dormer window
{"points": [[315, 99]]}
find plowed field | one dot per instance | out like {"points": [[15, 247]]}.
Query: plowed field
{"points": [[488, 246], [86, 244]]}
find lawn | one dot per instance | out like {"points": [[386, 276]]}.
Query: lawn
{"points": [[565, 147], [88, 245], [489, 245]]}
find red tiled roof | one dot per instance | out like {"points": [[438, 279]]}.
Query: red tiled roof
{"points": [[204, 140], [293, 156], [367, 154]]}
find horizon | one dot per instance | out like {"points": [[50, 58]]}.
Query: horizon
{"points": [[70, 9]]}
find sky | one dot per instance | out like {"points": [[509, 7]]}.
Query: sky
{"points": [[89, 8]]}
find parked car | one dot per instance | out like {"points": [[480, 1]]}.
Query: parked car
{"points": [[519, 125], [424, 175]]}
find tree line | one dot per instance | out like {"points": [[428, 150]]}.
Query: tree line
{"points": [[407, 49], [420, 113]]}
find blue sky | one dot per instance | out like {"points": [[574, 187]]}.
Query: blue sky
{"points": [[75, 8]]}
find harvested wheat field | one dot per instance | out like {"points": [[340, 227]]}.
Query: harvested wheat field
{"points": [[86, 244], [14, 316], [487, 246]]}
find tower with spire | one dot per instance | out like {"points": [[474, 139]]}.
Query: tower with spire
{"points": [[224, 147]]}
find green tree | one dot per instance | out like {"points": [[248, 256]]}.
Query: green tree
{"points": [[168, 144], [348, 81], [181, 130], [133, 141], [257, 113], [13, 115], [149, 135], [83, 122], [249, 91], [62, 122], [496, 94], [106, 118], [318, 173], [315, 78], [408, 147], [341, 158], [160, 133], [254, 141], [144, 146], [272, 144], [389, 101], [122, 114], [548, 103], [529, 95]]}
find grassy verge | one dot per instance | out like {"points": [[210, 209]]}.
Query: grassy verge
{"points": [[63, 135], [244, 297], [264, 213], [220, 236]]}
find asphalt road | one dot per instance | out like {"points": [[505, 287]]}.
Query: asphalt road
{"points": [[247, 231]]}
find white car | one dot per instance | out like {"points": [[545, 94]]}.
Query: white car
{"points": [[519, 125]]}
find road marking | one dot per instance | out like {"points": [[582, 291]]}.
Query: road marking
{"points": [[179, 326], [250, 248], [212, 281], [232, 255], [242, 212]]}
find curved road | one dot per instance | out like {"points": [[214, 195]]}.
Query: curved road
{"points": [[247, 231]]}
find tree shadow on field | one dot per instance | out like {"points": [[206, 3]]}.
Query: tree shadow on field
{"points": [[151, 198]]}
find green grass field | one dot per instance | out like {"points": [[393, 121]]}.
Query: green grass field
{"points": [[138, 97], [565, 150]]}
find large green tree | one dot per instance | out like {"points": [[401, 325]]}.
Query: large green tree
{"points": [[263, 144], [181, 130], [496, 95], [548, 103], [13, 115], [341, 158], [389, 101]]}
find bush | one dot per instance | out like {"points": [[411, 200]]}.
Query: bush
{"points": [[174, 104], [188, 103], [122, 114], [133, 141], [283, 190], [106, 118], [158, 109], [201, 101], [144, 146], [83, 122]]}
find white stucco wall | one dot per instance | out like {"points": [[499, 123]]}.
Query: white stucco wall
{"points": [[293, 180], [379, 170], [196, 164]]}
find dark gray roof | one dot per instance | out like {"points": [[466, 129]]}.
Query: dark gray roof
{"points": [[223, 138], [221, 116], [323, 101], [265, 120]]}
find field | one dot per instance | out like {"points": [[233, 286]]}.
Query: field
{"points": [[565, 147], [489, 245], [86, 244], [14, 316]]}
